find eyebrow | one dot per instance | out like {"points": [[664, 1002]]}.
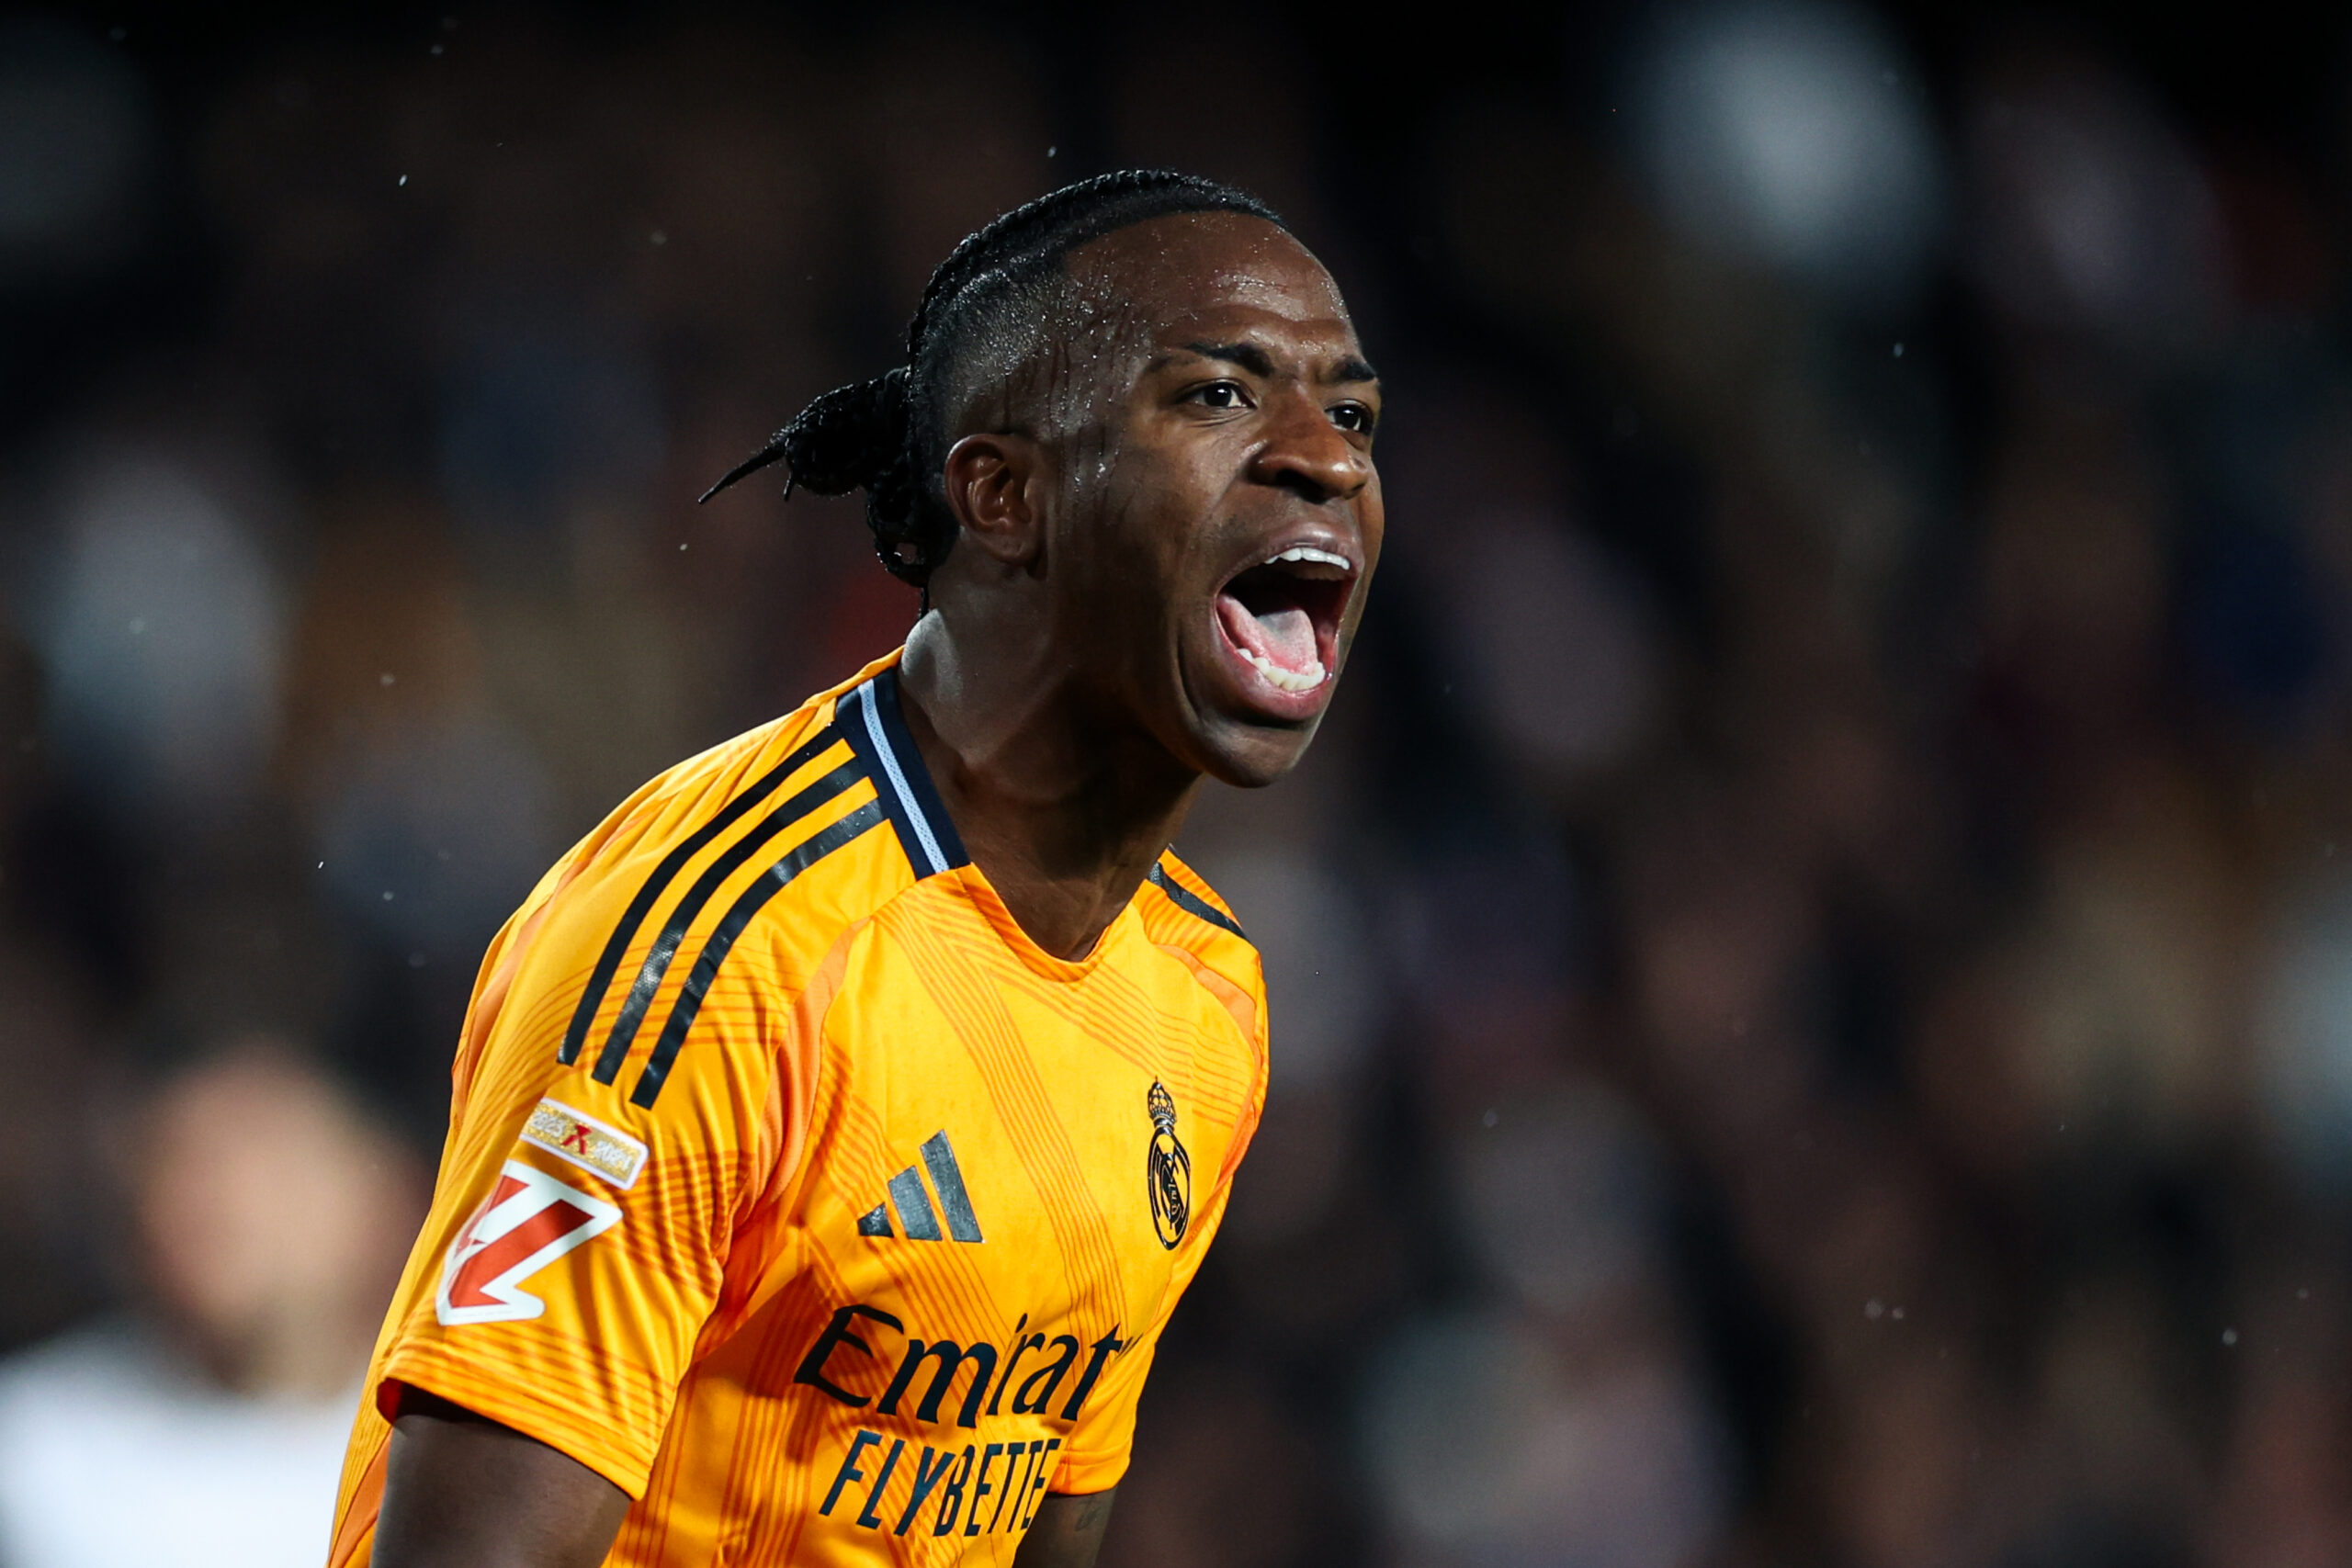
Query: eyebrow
{"points": [[1247, 356], [1255, 360]]}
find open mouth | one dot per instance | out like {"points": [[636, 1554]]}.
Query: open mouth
{"points": [[1282, 615]]}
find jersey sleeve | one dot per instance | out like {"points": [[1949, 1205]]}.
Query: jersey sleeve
{"points": [[580, 1228]]}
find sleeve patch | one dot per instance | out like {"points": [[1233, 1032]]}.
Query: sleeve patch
{"points": [[531, 1220], [590, 1144]]}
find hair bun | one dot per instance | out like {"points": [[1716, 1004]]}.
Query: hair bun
{"points": [[855, 437], [852, 437]]}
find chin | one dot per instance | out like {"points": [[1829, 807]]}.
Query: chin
{"points": [[1251, 756]]}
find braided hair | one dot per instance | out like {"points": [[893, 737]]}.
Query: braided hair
{"points": [[888, 435]]}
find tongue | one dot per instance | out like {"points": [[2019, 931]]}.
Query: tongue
{"points": [[1286, 635]]}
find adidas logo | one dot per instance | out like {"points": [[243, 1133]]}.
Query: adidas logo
{"points": [[917, 1221]]}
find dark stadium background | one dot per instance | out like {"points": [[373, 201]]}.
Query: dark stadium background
{"points": [[1812, 966]]}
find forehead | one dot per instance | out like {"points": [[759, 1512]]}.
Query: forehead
{"points": [[1175, 277]]}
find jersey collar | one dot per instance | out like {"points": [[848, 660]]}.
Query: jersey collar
{"points": [[869, 718], [876, 731]]}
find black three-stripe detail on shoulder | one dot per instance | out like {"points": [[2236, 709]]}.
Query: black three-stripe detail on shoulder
{"points": [[682, 917], [775, 880], [609, 961], [1190, 902]]}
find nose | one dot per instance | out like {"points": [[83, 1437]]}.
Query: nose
{"points": [[1304, 451]]}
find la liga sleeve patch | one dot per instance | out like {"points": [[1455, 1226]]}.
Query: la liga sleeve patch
{"points": [[529, 1222]]}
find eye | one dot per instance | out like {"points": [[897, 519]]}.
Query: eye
{"points": [[1356, 417], [1219, 395]]}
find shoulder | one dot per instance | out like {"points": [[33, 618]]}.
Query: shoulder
{"points": [[730, 875], [1188, 912], [738, 824], [1184, 915]]}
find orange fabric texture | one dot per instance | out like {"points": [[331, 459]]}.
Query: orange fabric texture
{"points": [[791, 1188]]}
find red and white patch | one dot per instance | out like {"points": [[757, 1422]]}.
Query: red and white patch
{"points": [[531, 1220]]}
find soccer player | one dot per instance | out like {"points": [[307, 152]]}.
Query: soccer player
{"points": [[835, 1129]]}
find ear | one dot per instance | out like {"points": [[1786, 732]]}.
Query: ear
{"points": [[991, 484]]}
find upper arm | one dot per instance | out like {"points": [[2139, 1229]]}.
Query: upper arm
{"points": [[462, 1491]]}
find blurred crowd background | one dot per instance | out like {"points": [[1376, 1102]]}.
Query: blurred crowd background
{"points": [[1812, 967]]}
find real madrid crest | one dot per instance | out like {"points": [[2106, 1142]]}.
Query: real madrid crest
{"points": [[1168, 1171]]}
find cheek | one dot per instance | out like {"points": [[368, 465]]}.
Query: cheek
{"points": [[1147, 533], [1374, 520]]}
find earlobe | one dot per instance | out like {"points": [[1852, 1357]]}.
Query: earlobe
{"points": [[989, 485]]}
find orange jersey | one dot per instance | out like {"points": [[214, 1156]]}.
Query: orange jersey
{"points": [[793, 1188]]}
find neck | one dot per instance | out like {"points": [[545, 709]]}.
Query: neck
{"points": [[1063, 807]]}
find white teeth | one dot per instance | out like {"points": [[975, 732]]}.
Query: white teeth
{"points": [[1284, 679], [1310, 553]]}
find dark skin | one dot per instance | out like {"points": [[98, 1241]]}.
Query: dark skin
{"points": [[1074, 681], [1071, 688]]}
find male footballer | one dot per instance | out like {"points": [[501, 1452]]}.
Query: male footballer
{"points": [[835, 1129]]}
